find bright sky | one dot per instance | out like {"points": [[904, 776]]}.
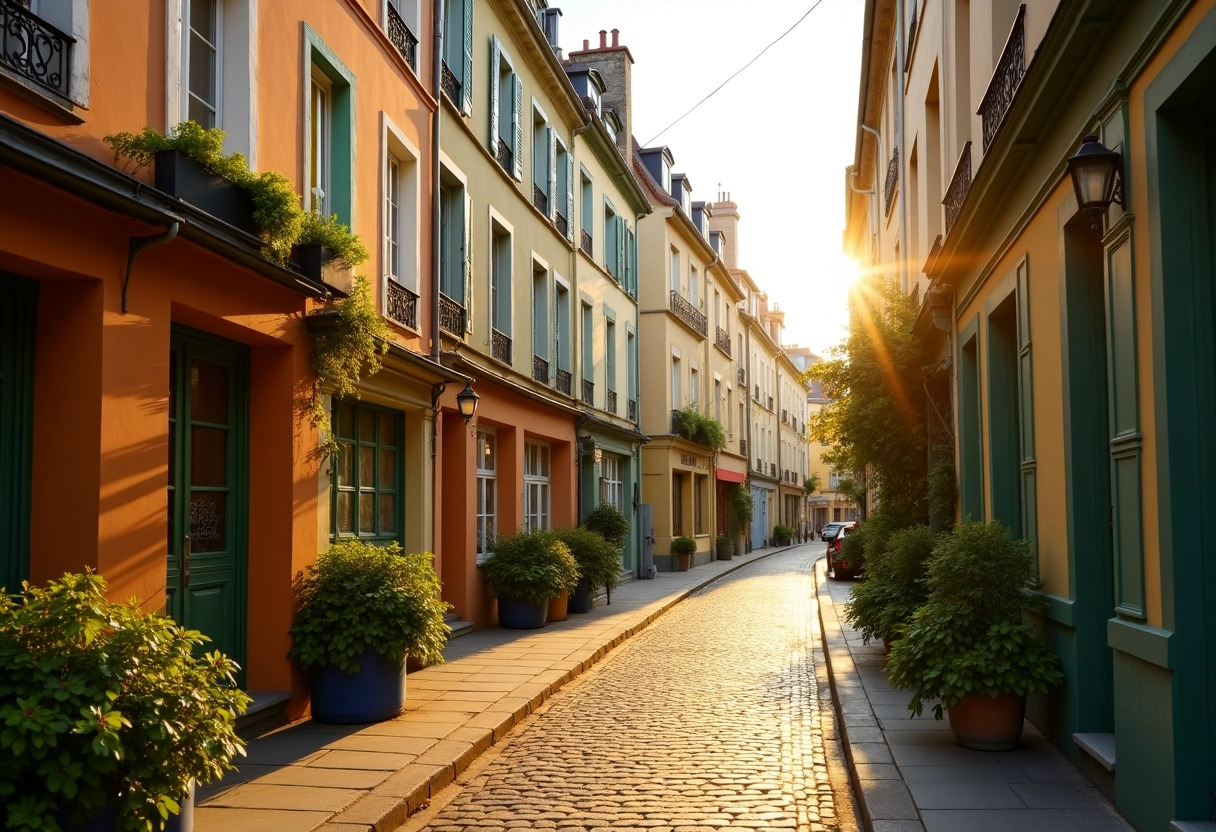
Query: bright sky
{"points": [[777, 138]]}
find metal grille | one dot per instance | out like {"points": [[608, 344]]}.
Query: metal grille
{"points": [[960, 183], [722, 340], [450, 84], [682, 309], [562, 225], [888, 190], [401, 36], [400, 304], [540, 199], [505, 157], [584, 241], [632, 409], [564, 381], [1006, 79], [588, 391], [33, 48], [610, 401], [540, 369], [937, 246], [451, 316], [500, 346]]}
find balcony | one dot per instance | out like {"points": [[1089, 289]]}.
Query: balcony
{"points": [[564, 381], [561, 223], [588, 392], [722, 340], [960, 183], [742, 375], [540, 369], [500, 346], [584, 241], [888, 190], [1006, 78], [632, 410], [451, 316], [505, 156], [540, 199], [402, 37], [400, 304], [33, 48], [610, 401], [450, 85], [937, 246], [688, 315]]}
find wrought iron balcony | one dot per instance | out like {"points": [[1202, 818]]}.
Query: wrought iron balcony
{"points": [[540, 369], [401, 36], [610, 401], [451, 316], [450, 84], [540, 199], [937, 246], [676, 418], [588, 391], [888, 189], [33, 48], [742, 375], [505, 156], [500, 346], [690, 315], [960, 183], [722, 340], [564, 381], [584, 241], [400, 304], [1006, 78], [632, 410], [561, 223]]}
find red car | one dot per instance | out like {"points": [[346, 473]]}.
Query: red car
{"points": [[838, 567]]}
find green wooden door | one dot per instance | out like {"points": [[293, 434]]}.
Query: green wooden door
{"points": [[17, 297], [208, 394]]}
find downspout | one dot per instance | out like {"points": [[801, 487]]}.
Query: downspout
{"points": [[901, 151], [436, 201], [751, 440], [874, 190], [137, 244]]}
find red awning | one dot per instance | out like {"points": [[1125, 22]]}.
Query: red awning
{"points": [[730, 476]]}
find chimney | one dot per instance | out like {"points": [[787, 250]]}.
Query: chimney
{"points": [[614, 64], [603, 38], [586, 45], [725, 219], [616, 35]]}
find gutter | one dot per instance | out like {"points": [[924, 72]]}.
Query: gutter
{"points": [[436, 200]]}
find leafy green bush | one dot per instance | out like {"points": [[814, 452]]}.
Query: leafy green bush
{"points": [[970, 637], [895, 585], [609, 522], [334, 235], [683, 546], [853, 549], [782, 532], [723, 540], [698, 427], [102, 705], [744, 506], [357, 596], [943, 490], [531, 566], [599, 562]]}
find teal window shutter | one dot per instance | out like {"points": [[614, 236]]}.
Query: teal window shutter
{"points": [[552, 172], [569, 195], [495, 59], [518, 108], [467, 299], [466, 82]]}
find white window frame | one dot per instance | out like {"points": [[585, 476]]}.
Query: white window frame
{"points": [[486, 509], [612, 486], [318, 195], [694, 289], [675, 270], [397, 148], [538, 486], [217, 91]]}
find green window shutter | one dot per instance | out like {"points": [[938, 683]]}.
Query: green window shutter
{"points": [[620, 250], [495, 58], [466, 89], [467, 300], [570, 194], [552, 172], [517, 107]]}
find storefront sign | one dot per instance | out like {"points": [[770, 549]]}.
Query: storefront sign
{"points": [[691, 461]]}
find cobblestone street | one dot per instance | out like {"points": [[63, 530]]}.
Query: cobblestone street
{"points": [[718, 716]]}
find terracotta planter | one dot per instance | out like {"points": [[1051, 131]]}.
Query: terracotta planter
{"points": [[726, 551], [986, 723], [682, 561], [558, 607]]}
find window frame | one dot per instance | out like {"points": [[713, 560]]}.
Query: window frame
{"points": [[498, 60], [538, 484], [485, 515], [612, 488], [217, 79], [355, 439]]}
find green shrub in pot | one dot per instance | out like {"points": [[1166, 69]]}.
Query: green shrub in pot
{"points": [[531, 566], [609, 522], [895, 584], [599, 562]]}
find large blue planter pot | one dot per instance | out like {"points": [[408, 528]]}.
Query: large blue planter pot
{"points": [[373, 694], [518, 614], [107, 819], [580, 599]]}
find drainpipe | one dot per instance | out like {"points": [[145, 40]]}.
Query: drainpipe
{"points": [[900, 50], [436, 201], [137, 244], [874, 190]]}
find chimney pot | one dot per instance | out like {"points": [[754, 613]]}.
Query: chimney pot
{"points": [[603, 38], [616, 37], [586, 44]]}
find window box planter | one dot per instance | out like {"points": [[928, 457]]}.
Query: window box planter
{"points": [[324, 320], [318, 263], [183, 178]]}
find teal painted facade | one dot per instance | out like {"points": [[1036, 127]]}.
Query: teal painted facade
{"points": [[594, 487]]}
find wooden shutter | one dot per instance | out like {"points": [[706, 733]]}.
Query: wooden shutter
{"points": [[495, 59], [466, 82], [518, 106], [552, 172], [467, 300], [570, 194]]}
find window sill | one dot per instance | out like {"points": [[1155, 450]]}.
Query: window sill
{"points": [[42, 97]]}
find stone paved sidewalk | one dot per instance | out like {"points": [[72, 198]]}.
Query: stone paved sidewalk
{"points": [[910, 775], [371, 777]]}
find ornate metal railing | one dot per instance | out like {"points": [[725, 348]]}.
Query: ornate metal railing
{"points": [[588, 391], [450, 84], [584, 241], [960, 183], [401, 36], [540, 369], [451, 316], [937, 246], [561, 224], [540, 199], [631, 409], [400, 304], [505, 156], [563, 381], [676, 418], [911, 38], [722, 339], [500, 346], [686, 312], [33, 48], [610, 401], [888, 190], [1006, 79]]}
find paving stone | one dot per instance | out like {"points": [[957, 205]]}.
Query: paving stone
{"points": [[226, 820], [1059, 795], [996, 820], [966, 796], [293, 798]]}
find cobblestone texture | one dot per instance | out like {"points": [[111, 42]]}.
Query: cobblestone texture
{"points": [[716, 717]]}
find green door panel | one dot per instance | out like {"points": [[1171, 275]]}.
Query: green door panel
{"points": [[17, 307]]}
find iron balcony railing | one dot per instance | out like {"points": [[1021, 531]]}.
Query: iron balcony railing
{"points": [[450, 84], [561, 224], [722, 340], [588, 391], [610, 401], [505, 156], [937, 246], [400, 304], [888, 190], [33, 48], [676, 417], [584, 241], [690, 315], [960, 183], [564, 380], [401, 36], [632, 409], [451, 316], [540, 199], [540, 369], [1006, 79], [500, 346]]}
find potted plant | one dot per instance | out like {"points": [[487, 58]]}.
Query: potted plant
{"points": [[783, 534], [326, 250], [894, 586], [725, 547], [109, 715], [968, 645], [598, 560], [744, 507], [682, 549], [525, 571], [362, 610]]}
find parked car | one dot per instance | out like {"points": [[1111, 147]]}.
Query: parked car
{"points": [[831, 530], [838, 567]]}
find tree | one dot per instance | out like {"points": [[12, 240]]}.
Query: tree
{"points": [[875, 422]]}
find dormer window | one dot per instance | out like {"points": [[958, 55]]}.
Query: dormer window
{"points": [[658, 164], [681, 192], [612, 124], [589, 86], [701, 212], [715, 241]]}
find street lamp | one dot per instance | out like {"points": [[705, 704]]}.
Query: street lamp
{"points": [[466, 401], [1097, 177]]}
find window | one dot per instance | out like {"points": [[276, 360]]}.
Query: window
{"points": [[400, 217], [366, 482], [561, 302], [694, 387], [833, 481], [563, 167], [401, 25], [675, 383], [544, 152], [677, 505], [329, 162], [202, 62], [588, 357], [612, 241], [536, 486], [718, 400], [500, 291], [610, 364], [320, 128], [487, 492], [675, 270], [506, 112], [631, 369], [611, 486], [694, 287], [540, 323], [631, 271], [453, 243], [392, 218], [457, 68], [587, 207], [698, 504]]}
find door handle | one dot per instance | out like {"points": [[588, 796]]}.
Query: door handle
{"points": [[186, 562]]}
